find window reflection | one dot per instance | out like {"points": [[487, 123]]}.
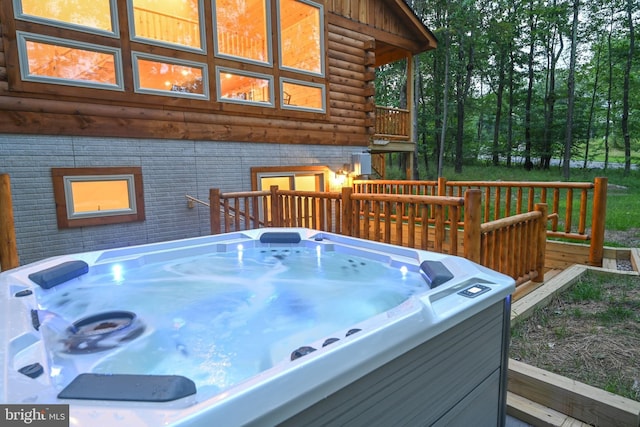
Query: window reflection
{"points": [[302, 95], [48, 59], [244, 88], [174, 21], [157, 75], [300, 36], [94, 14], [241, 29]]}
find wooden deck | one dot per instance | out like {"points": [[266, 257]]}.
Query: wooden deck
{"points": [[540, 398]]}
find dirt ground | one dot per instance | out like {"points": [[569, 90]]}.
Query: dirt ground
{"points": [[594, 341]]}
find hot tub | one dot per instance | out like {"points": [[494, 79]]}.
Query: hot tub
{"points": [[262, 327]]}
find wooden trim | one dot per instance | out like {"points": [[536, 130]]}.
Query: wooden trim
{"points": [[58, 174]]}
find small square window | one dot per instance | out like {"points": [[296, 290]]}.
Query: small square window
{"points": [[94, 196], [159, 75], [244, 87]]}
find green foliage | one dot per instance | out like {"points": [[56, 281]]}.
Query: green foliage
{"points": [[492, 40]]}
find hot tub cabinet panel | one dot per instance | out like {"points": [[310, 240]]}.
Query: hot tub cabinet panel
{"points": [[457, 378], [260, 328]]}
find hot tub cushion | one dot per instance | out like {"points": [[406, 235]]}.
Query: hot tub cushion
{"points": [[60, 273], [436, 272], [280, 237], [131, 388]]}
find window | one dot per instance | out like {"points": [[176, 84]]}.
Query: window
{"points": [[95, 196], [301, 178], [176, 23], [172, 46], [242, 30], [54, 60], [244, 87], [96, 16], [301, 95], [160, 75], [301, 36]]}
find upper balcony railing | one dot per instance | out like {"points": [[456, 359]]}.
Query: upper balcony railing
{"points": [[393, 123]]}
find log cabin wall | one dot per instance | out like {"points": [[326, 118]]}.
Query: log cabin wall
{"points": [[348, 120]]}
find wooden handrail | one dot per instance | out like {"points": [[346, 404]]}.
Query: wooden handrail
{"points": [[392, 122], [420, 221], [506, 198]]}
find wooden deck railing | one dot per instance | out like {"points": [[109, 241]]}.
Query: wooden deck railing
{"points": [[393, 123], [502, 199], [444, 224]]}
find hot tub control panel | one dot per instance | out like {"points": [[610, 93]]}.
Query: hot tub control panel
{"points": [[474, 291]]}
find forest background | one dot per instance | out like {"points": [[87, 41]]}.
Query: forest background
{"points": [[523, 83]]}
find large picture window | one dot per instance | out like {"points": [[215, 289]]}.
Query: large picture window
{"points": [[175, 23], [95, 196], [301, 36], [242, 30]]}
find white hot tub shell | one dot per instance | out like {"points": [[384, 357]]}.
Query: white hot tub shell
{"points": [[438, 357]]}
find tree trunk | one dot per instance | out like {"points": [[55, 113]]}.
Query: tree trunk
{"points": [[593, 105], [608, 124], [496, 127], [566, 166], [445, 107], [625, 97], [528, 165]]}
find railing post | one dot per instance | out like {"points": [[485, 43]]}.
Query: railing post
{"points": [[346, 211], [442, 186], [598, 216], [8, 245], [541, 241], [214, 210], [276, 214], [472, 222]]}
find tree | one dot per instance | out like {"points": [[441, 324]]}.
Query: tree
{"points": [[625, 92], [566, 166]]}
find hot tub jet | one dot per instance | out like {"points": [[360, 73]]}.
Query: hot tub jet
{"points": [[102, 331]]}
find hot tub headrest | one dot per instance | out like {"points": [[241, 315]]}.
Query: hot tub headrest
{"points": [[132, 388], [60, 273], [436, 272], [280, 237]]}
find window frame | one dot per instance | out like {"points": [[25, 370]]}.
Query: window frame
{"points": [[222, 69], [322, 35], [269, 39], [320, 172], [22, 37], [153, 42], [135, 55], [63, 177], [115, 24], [320, 86]]}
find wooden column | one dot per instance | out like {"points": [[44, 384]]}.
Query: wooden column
{"points": [[276, 209], [541, 241], [347, 210], [8, 245], [214, 210], [472, 222], [598, 216]]}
